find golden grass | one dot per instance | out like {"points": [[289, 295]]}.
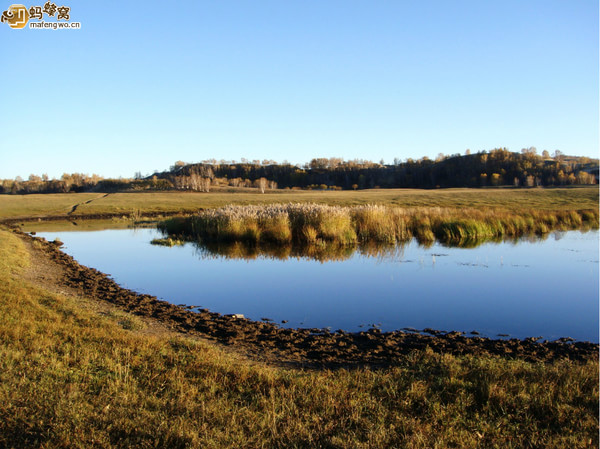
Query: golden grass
{"points": [[169, 202], [318, 224], [42, 204], [72, 378]]}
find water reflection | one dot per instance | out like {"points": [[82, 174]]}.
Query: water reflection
{"points": [[331, 252], [538, 286], [324, 252]]}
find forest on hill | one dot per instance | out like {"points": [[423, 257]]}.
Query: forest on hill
{"points": [[498, 167]]}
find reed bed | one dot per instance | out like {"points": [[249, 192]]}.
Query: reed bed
{"points": [[322, 224]]}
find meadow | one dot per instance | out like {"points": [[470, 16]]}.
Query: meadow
{"points": [[78, 373], [139, 203], [74, 373]]}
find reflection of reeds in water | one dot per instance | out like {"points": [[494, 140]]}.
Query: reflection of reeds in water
{"points": [[324, 226], [331, 252], [323, 252], [382, 251]]}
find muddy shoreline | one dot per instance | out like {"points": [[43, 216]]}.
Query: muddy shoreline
{"points": [[301, 347]]}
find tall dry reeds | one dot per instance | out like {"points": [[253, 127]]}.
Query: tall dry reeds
{"points": [[315, 224]]}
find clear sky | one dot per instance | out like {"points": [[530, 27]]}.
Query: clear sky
{"points": [[143, 84]]}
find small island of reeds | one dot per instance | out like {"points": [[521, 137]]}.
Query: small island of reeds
{"points": [[309, 224]]}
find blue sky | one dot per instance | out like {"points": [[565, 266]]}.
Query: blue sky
{"points": [[143, 84]]}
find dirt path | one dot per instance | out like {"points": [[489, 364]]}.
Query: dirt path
{"points": [[59, 272], [74, 208]]}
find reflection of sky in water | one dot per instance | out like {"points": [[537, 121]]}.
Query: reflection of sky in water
{"points": [[547, 288]]}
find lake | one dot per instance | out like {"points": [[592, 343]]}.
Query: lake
{"points": [[533, 287]]}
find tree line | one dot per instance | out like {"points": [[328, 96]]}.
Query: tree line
{"points": [[498, 167]]}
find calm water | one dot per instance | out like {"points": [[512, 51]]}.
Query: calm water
{"points": [[543, 288]]}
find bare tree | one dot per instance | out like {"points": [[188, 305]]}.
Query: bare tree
{"points": [[195, 182], [261, 183]]}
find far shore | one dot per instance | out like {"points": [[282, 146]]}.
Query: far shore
{"points": [[98, 205]]}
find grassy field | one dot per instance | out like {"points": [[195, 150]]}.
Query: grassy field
{"points": [[169, 202], [71, 377], [42, 205]]}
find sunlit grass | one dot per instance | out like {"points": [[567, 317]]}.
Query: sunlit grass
{"points": [[315, 223], [166, 242], [124, 204]]}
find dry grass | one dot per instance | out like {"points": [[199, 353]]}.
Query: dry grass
{"points": [[42, 205], [322, 224], [169, 202]]}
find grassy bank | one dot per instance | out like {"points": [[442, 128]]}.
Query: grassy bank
{"points": [[70, 377], [126, 204], [318, 224]]}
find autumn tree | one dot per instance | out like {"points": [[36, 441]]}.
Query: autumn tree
{"points": [[261, 184]]}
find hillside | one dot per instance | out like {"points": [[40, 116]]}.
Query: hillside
{"points": [[498, 167]]}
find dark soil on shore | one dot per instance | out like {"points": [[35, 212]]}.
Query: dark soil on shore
{"points": [[314, 348]]}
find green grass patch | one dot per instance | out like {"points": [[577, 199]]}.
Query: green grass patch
{"points": [[167, 242]]}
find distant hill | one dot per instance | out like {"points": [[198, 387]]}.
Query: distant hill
{"points": [[498, 167]]}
